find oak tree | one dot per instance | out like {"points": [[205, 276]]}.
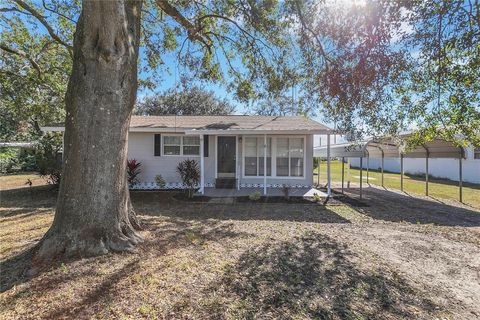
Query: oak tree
{"points": [[190, 101]]}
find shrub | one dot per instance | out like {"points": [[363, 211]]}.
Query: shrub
{"points": [[50, 172], [133, 170], [8, 160], [190, 174], [286, 191], [47, 158], [27, 161], [255, 196], [160, 181]]}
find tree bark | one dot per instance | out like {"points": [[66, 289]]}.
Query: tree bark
{"points": [[94, 214]]}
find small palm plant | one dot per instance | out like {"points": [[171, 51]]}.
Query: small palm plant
{"points": [[133, 170], [190, 175]]}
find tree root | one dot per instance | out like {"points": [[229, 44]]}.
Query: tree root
{"points": [[57, 245]]}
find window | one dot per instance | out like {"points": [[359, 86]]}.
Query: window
{"points": [[290, 153], [296, 157], [282, 157], [476, 153], [191, 146], [181, 145], [254, 160]]}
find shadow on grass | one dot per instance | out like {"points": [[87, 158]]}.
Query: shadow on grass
{"points": [[29, 197], [163, 235], [154, 204], [393, 206], [313, 277]]}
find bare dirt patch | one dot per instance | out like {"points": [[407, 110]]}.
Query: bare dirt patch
{"points": [[391, 260]]}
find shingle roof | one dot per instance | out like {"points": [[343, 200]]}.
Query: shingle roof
{"points": [[228, 122]]}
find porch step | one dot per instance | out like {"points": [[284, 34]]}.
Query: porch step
{"points": [[226, 183]]}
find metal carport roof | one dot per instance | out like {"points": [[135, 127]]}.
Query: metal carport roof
{"points": [[393, 148], [390, 148]]}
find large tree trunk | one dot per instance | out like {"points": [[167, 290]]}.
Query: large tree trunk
{"points": [[93, 207]]}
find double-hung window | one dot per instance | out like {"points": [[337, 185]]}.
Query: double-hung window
{"points": [[181, 145], [476, 153], [254, 156], [290, 157]]}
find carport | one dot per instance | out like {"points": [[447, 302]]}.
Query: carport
{"points": [[391, 148]]}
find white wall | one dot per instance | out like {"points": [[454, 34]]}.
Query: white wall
{"points": [[141, 148], [441, 168]]}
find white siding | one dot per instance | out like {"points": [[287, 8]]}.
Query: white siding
{"points": [[141, 148]]}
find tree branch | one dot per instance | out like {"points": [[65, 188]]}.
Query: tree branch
{"points": [[44, 22], [306, 27], [8, 9], [194, 33], [236, 25], [22, 54], [56, 12]]}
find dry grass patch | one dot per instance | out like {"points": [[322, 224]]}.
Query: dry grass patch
{"points": [[268, 261]]}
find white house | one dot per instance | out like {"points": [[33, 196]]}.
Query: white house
{"points": [[232, 150]]}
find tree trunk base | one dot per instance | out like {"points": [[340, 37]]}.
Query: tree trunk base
{"points": [[57, 245]]}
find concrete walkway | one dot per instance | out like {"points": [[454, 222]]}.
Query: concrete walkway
{"points": [[271, 192]]}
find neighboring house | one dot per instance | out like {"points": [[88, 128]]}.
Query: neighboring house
{"points": [[440, 168], [229, 149]]}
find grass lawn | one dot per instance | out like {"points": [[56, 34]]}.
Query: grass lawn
{"points": [[438, 188], [398, 257]]}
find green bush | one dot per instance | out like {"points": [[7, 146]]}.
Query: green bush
{"points": [[47, 158], [27, 161], [255, 196], [8, 160], [160, 181], [190, 174], [7, 165]]}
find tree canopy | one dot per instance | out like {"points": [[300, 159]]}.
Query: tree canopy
{"points": [[372, 67], [190, 101]]}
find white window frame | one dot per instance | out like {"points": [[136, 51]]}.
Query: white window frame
{"points": [[258, 155], [181, 146], [274, 157]]}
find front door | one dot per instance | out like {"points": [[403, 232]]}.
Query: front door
{"points": [[226, 157]]}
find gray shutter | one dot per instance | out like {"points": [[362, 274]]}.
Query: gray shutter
{"points": [[157, 145], [205, 146]]}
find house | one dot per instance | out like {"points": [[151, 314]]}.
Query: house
{"points": [[230, 149]]}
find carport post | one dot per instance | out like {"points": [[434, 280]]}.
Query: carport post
{"points": [[383, 159], [265, 164], [318, 172], [202, 165], [329, 186], [401, 172], [343, 172], [460, 184], [361, 176], [368, 166], [348, 174], [426, 174]]}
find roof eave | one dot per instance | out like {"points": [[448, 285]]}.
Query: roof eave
{"points": [[254, 131]]}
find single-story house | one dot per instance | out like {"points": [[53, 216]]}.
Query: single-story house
{"points": [[232, 150]]}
